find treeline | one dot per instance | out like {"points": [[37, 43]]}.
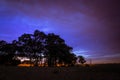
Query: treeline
{"points": [[37, 46]]}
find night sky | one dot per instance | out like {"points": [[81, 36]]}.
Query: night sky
{"points": [[91, 27]]}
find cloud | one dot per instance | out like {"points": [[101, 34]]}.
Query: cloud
{"points": [[87, 25]]}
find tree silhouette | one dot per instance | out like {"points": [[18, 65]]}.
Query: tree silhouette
{"points": [[81, 59], [39, 45], [2, 51], [8, 51], [26, 44], [33, 45], [58, 51]]}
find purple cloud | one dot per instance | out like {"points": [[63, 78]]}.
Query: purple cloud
{"points": [[92, 26]]}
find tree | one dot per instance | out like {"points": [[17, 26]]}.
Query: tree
{"points": [[51, 47], [39, 45], [8, 52], [81, 59], [71, 59], [33, 45], [57, 50], [2, 51]]}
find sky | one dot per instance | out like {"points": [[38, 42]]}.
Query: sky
{"points": [[91, 27]]}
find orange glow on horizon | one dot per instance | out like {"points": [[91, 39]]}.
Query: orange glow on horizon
{"points": [[25, 65]]}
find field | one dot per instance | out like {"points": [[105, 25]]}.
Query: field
{"points": [[95, 72]]}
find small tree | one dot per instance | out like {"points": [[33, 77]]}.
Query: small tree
{"points": [[81, 59]]}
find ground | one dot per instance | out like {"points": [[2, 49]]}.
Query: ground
{"points": [[95, 72]]}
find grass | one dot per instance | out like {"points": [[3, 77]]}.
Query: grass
{"points": [[96, 72]]}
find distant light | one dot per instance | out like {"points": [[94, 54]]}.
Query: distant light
{"points": [[23, 59]]}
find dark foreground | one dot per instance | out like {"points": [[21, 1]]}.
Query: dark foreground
{"points": [[97, 72]]}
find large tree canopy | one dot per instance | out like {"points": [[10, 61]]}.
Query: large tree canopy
{"points": [[39, 45]]}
